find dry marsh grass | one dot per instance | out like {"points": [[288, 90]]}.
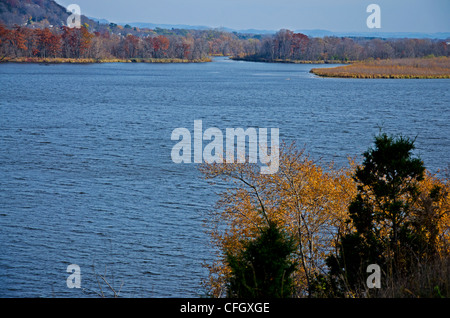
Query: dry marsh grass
{"points": [[435, 67]]}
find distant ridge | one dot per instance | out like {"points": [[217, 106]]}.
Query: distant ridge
{"points": [[144, 25], [48, 13], [312, 33], [376, 34], [195, 27]]}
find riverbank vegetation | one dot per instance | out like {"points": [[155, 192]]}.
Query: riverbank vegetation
{"points": [[59, 60], [114, 42], [22, 44], [328, 225], [429, 67]]}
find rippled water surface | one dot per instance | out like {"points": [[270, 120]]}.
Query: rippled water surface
{"points": [[86, 175]]}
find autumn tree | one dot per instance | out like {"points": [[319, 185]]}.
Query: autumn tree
{"points": [[283, 44], [4, 41], [306, 200], [430, 218], [31, 42], [131, 46], [160, 45], [299, 45], [12, 42], [49, 44], [101, 46], [70, 43], [148, 47], [85, 39], [75, 41]]}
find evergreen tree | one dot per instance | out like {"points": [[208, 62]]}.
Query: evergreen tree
{"points": [[263, 268], [384, 233]]}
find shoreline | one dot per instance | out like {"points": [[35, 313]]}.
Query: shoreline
{"points": [[382, 76], [51, 60], [288, 61]]}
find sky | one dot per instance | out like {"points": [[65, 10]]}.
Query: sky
{"points": [[427, 16]]}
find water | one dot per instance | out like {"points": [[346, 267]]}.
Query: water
{"points": [[86, 175]]}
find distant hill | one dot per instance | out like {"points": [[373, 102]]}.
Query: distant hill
{"points": [[143, 25], [376, 34], [23, 12], [311, 33], [35, 13]]}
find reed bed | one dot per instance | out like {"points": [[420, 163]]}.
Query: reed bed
{"points": [[435, 67]]}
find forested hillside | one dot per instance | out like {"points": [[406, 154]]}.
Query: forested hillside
{"points": [[35, 13]]}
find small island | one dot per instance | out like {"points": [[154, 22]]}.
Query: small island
{"points": [[428, 67]]}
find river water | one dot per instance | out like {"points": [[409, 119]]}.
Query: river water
{"points": [[86, 175]]}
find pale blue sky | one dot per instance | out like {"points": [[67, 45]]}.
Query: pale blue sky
{"points": [[333, 15]]}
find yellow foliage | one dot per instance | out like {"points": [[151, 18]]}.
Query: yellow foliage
{"points": [[435, 212], [306, 199]]}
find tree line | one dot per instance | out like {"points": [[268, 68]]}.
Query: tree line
{"points": [[287, 45], [117, 42], [76, 43]]}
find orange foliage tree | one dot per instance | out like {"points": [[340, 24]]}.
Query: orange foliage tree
{"points": [[310, 202], [431, 213], [160, 45], [49, 43], [75, 41]]}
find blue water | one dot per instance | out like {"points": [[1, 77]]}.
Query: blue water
{"points": [[86, 175]]}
